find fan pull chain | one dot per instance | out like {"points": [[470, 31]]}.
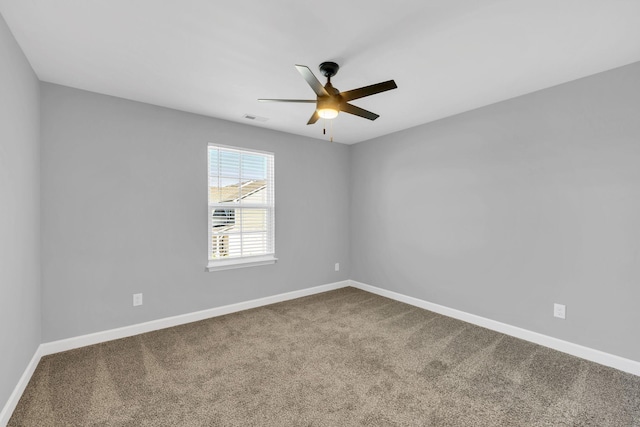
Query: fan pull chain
{"points": [[324, 128], [331, 131]]}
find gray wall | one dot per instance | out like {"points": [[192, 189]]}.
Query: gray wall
{"points": [[125, 211], [504, 210], [19, 213]]}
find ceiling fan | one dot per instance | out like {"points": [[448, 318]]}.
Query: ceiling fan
{"points": [[329, 101]]}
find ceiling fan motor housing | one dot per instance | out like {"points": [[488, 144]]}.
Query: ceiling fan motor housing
{"points": [[329, 102]]}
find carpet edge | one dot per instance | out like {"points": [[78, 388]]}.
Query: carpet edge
{"points": [[607, 359], [167, 322], [16, 394]]}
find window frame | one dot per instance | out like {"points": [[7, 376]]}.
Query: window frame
{"points": [[247, 260]]}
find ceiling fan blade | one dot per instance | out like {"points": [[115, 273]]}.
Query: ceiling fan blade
{"points": [[288, 100], [312, 80], [357, 111], [350, 95], [314, 118]]}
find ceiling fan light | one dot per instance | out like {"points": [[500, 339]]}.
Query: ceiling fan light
{"points": [[328, 113]]}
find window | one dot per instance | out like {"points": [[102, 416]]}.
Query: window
{"points": [[241, 208]]}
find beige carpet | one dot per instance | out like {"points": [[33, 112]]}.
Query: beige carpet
{"points": [[342, 358]]}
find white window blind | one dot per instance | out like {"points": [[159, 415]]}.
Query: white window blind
{"points": [[241, 207]]}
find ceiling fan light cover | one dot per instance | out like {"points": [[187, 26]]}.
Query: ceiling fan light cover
{"points": [[328, 113]]}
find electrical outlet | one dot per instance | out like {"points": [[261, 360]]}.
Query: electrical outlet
{"points": [[559, 310], [337, 266], [137, 299]]}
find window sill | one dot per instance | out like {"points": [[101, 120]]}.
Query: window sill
{"points": [[227, 264]]}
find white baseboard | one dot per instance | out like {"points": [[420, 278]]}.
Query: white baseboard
{"points": [[167, 322], [11, 404], [611, 360]]}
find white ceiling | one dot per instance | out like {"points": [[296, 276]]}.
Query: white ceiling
{"points": [[216, 58]]}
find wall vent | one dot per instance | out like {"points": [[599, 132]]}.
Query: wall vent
{"points": [[255, 118]]}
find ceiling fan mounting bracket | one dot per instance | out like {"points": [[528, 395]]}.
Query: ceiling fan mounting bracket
{"points": [[329, 69]]}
